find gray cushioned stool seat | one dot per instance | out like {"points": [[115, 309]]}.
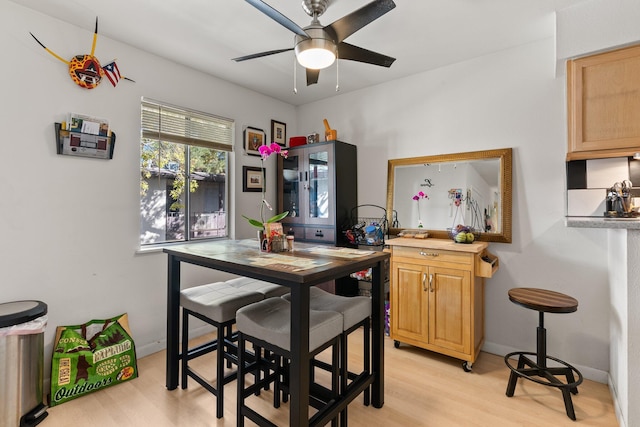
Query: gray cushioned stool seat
{"points": [[269, 290], [270, 321], [218, 301], [353, 309]]}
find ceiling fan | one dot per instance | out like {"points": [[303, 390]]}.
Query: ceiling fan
{"points": [[316, 46]]}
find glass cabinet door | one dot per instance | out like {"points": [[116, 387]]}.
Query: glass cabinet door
{"points": [[291, 177], [318, 183]]}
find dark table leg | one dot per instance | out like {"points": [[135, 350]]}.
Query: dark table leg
{"points": [[377, 333], [299, 376], [173, 321]]}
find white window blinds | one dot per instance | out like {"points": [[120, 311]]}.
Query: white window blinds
{"points": [[174, 124]]}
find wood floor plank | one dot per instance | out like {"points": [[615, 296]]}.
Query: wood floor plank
{"points": [[421, 389]]}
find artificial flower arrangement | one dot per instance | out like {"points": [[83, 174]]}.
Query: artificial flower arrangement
{"points": [[262, 224], [417, 198]]}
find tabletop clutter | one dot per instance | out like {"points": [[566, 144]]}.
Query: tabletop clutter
{"points": [[274, 240]]}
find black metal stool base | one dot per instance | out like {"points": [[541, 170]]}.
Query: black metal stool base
{"points": [[540, 373]]}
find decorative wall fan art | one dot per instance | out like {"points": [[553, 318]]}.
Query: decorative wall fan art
{"points": [[85, 70]]}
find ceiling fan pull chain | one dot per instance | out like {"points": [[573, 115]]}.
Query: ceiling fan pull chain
{"points": [[337, 73], [295, 89]]}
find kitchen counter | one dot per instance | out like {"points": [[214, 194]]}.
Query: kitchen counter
{"points": [[602, 222]]}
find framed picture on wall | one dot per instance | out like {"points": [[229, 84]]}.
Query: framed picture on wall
{"points": [[279, 133], [253, 139], [253, 178]]}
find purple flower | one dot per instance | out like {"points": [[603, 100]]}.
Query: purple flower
{"points": [[416, 198], [274, 148]]}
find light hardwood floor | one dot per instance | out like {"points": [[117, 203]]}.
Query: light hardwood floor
{"points": [[421, 389]]}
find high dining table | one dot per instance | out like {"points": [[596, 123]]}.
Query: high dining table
{"points": [[306, 266]]}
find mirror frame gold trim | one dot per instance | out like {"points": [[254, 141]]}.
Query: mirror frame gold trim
{"points": [[506, 158]]}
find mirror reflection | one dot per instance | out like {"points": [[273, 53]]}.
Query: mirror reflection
{"points": [[439, 192]]}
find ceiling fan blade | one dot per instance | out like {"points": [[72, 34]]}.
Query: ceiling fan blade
{"points": [[312, 76], [349, 24], [260, 54], [355, 53], [278, 17]]}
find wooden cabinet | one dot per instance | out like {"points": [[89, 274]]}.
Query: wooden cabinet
{"points": [[603, 104], [318, 184], [437, 295]]}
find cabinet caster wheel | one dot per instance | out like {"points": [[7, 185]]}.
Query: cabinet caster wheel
{"points": [[466, 366], [396, 344]]}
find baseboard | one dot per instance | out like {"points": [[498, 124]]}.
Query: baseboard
{"points": [[616, 403], [589, 373], [160, 345]]}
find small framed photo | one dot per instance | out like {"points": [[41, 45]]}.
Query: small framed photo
{"points": [[279, 133], [253, 139], [253, 178]]}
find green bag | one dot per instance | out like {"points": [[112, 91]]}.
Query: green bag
{"points": [[82, 365]]}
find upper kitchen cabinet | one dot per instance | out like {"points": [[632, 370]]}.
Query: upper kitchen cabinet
{"points": [[603, 93], [318, 185]]}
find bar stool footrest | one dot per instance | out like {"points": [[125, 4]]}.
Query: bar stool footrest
{"points": [[535, 372]]}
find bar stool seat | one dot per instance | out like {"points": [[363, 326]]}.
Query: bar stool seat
{"points": [[544, 301], [215, 304], [268, 324], [268, 290], [353, 309]]}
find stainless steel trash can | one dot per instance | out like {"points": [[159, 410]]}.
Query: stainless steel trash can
{"points": [[22, 325]]}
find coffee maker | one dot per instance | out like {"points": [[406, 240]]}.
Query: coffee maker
{"points": [[619, 200]]}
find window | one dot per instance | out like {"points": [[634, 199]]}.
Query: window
{"points": [[180, 202]]}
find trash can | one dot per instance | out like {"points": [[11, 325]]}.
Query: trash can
{"points": [[22, 325]]}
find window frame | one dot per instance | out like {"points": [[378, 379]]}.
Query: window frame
{"points": [[166, 123]]}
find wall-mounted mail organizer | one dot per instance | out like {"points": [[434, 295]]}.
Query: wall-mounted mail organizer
{"points": [[73, 143]]}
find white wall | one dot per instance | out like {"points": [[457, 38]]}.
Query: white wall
{"points": [[509, 99], [590, 27], [70, 225]]}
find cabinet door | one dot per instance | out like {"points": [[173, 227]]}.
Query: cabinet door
{"points": [[602, 93], [292, 186], [450, 308], [319, 194], [409, 303]]}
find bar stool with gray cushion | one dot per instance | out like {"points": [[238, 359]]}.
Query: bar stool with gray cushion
{"points": [[356, 312], [269, 290], [216, 304], [268, 324], [544, 301]]}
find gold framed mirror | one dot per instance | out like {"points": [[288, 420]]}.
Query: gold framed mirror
{"points": [[472, 188]]}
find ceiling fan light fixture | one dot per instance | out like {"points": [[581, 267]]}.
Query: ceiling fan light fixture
{"points": [[316, 54]]}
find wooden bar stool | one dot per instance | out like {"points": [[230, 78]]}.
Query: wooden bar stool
{"points": [[543, 300]]}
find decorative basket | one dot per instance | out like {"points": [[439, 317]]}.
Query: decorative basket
{"points": [[453, 234]]}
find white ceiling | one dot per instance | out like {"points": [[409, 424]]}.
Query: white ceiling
{"points": [[206, 34]]}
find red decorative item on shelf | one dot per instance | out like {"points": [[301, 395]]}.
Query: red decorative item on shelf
{"points": [[295, 141]]}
